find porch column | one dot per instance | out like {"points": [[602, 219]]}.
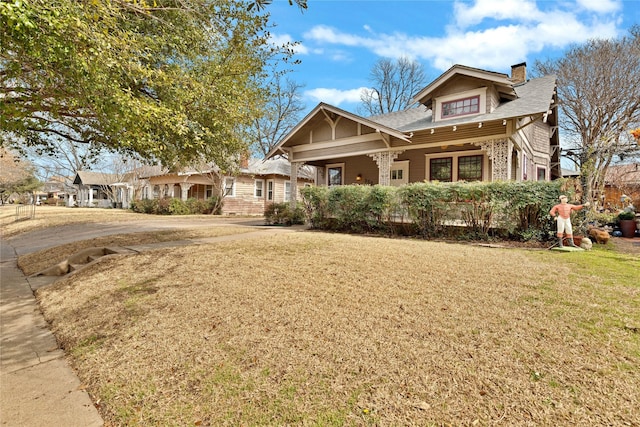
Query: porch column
{"points": [[499, 152], [90, 196], [384, 160], [295, 167], [184, 190]]}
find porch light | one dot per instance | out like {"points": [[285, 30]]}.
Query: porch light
{"points": [[432, 131], [455, 128], [479, 125], [359, 177], [504, 123]]}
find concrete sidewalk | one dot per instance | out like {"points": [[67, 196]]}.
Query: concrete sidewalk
{"points": [[37, 385]]}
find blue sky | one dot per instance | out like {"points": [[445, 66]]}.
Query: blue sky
{"points": [[340, 40]]}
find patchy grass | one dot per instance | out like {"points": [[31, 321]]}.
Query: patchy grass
{"points": [[54, 216], [37, 261], [51, 216], [318, 329]]}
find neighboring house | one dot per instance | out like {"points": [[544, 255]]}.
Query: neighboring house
{"points": [[470, 125], [57, 190], [248, 192], [94, 189], [622, 180]]}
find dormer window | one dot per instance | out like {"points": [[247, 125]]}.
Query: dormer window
{"points": [[460, 107], [460, 103]]}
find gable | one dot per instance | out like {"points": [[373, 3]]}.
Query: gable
{"points": [[462, 78]]}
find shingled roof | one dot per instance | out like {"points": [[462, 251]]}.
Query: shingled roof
{"points": [[534, 97]]}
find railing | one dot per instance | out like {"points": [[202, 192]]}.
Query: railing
{"points": [[24, 212]]}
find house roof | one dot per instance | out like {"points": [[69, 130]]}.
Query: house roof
{"points": [[323, 110], [501, 80], [255, 167], [623, 174], [533, 97], [93, 178], [278, 166]]}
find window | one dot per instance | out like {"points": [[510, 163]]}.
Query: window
{"points": [[396, 174], [287, 191], [208, 191], [542, 174], [470, 168], [525, 167], [441, 169], [335, 174], [229, 186], [460, 107], [259, 188], [270, 189]]}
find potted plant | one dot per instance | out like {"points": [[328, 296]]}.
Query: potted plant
{"points": [[627, 221]]}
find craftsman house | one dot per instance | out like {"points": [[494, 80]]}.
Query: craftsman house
{"points": [[93, 189], [248, 192], [469, 125]]}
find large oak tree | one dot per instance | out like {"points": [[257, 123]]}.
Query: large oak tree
{"points": [[171, 80]]}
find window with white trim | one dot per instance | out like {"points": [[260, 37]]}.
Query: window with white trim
{"points": [[270, 190], [542, 174], [259, 188], [287, 191], [229, 186]]}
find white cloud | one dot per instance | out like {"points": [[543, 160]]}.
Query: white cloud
{"points": [[282, 39], [601, 6], [524, 10], [334, 96], [526, 29]]}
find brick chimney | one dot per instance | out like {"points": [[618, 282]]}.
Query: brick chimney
{"points": [[244, 160], [519, 73]]}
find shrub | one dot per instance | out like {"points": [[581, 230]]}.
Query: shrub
{"points": [[316, 205], [282, 214], [513, 209], [196, 206], [626, 215]]}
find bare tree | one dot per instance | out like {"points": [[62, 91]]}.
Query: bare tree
{"points": [[394, 84], [64, 158], [599, 95], [281, 115]]}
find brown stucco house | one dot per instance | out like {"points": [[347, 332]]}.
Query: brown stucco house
{"points": [[249, 191], [470, 124]]}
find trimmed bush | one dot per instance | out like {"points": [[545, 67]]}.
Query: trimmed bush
{"points": [[174, 206], [282, 214], [476, 210]]}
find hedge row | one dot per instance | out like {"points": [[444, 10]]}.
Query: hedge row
{"points": [[174, 206], [434, 209]]}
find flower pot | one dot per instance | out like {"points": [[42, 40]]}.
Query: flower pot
{"points": [[628, 227]]}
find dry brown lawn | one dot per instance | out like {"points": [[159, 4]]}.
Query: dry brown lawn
{"points": [[325, 329]]}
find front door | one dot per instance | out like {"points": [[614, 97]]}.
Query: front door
{"points": [[399, 173]]}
